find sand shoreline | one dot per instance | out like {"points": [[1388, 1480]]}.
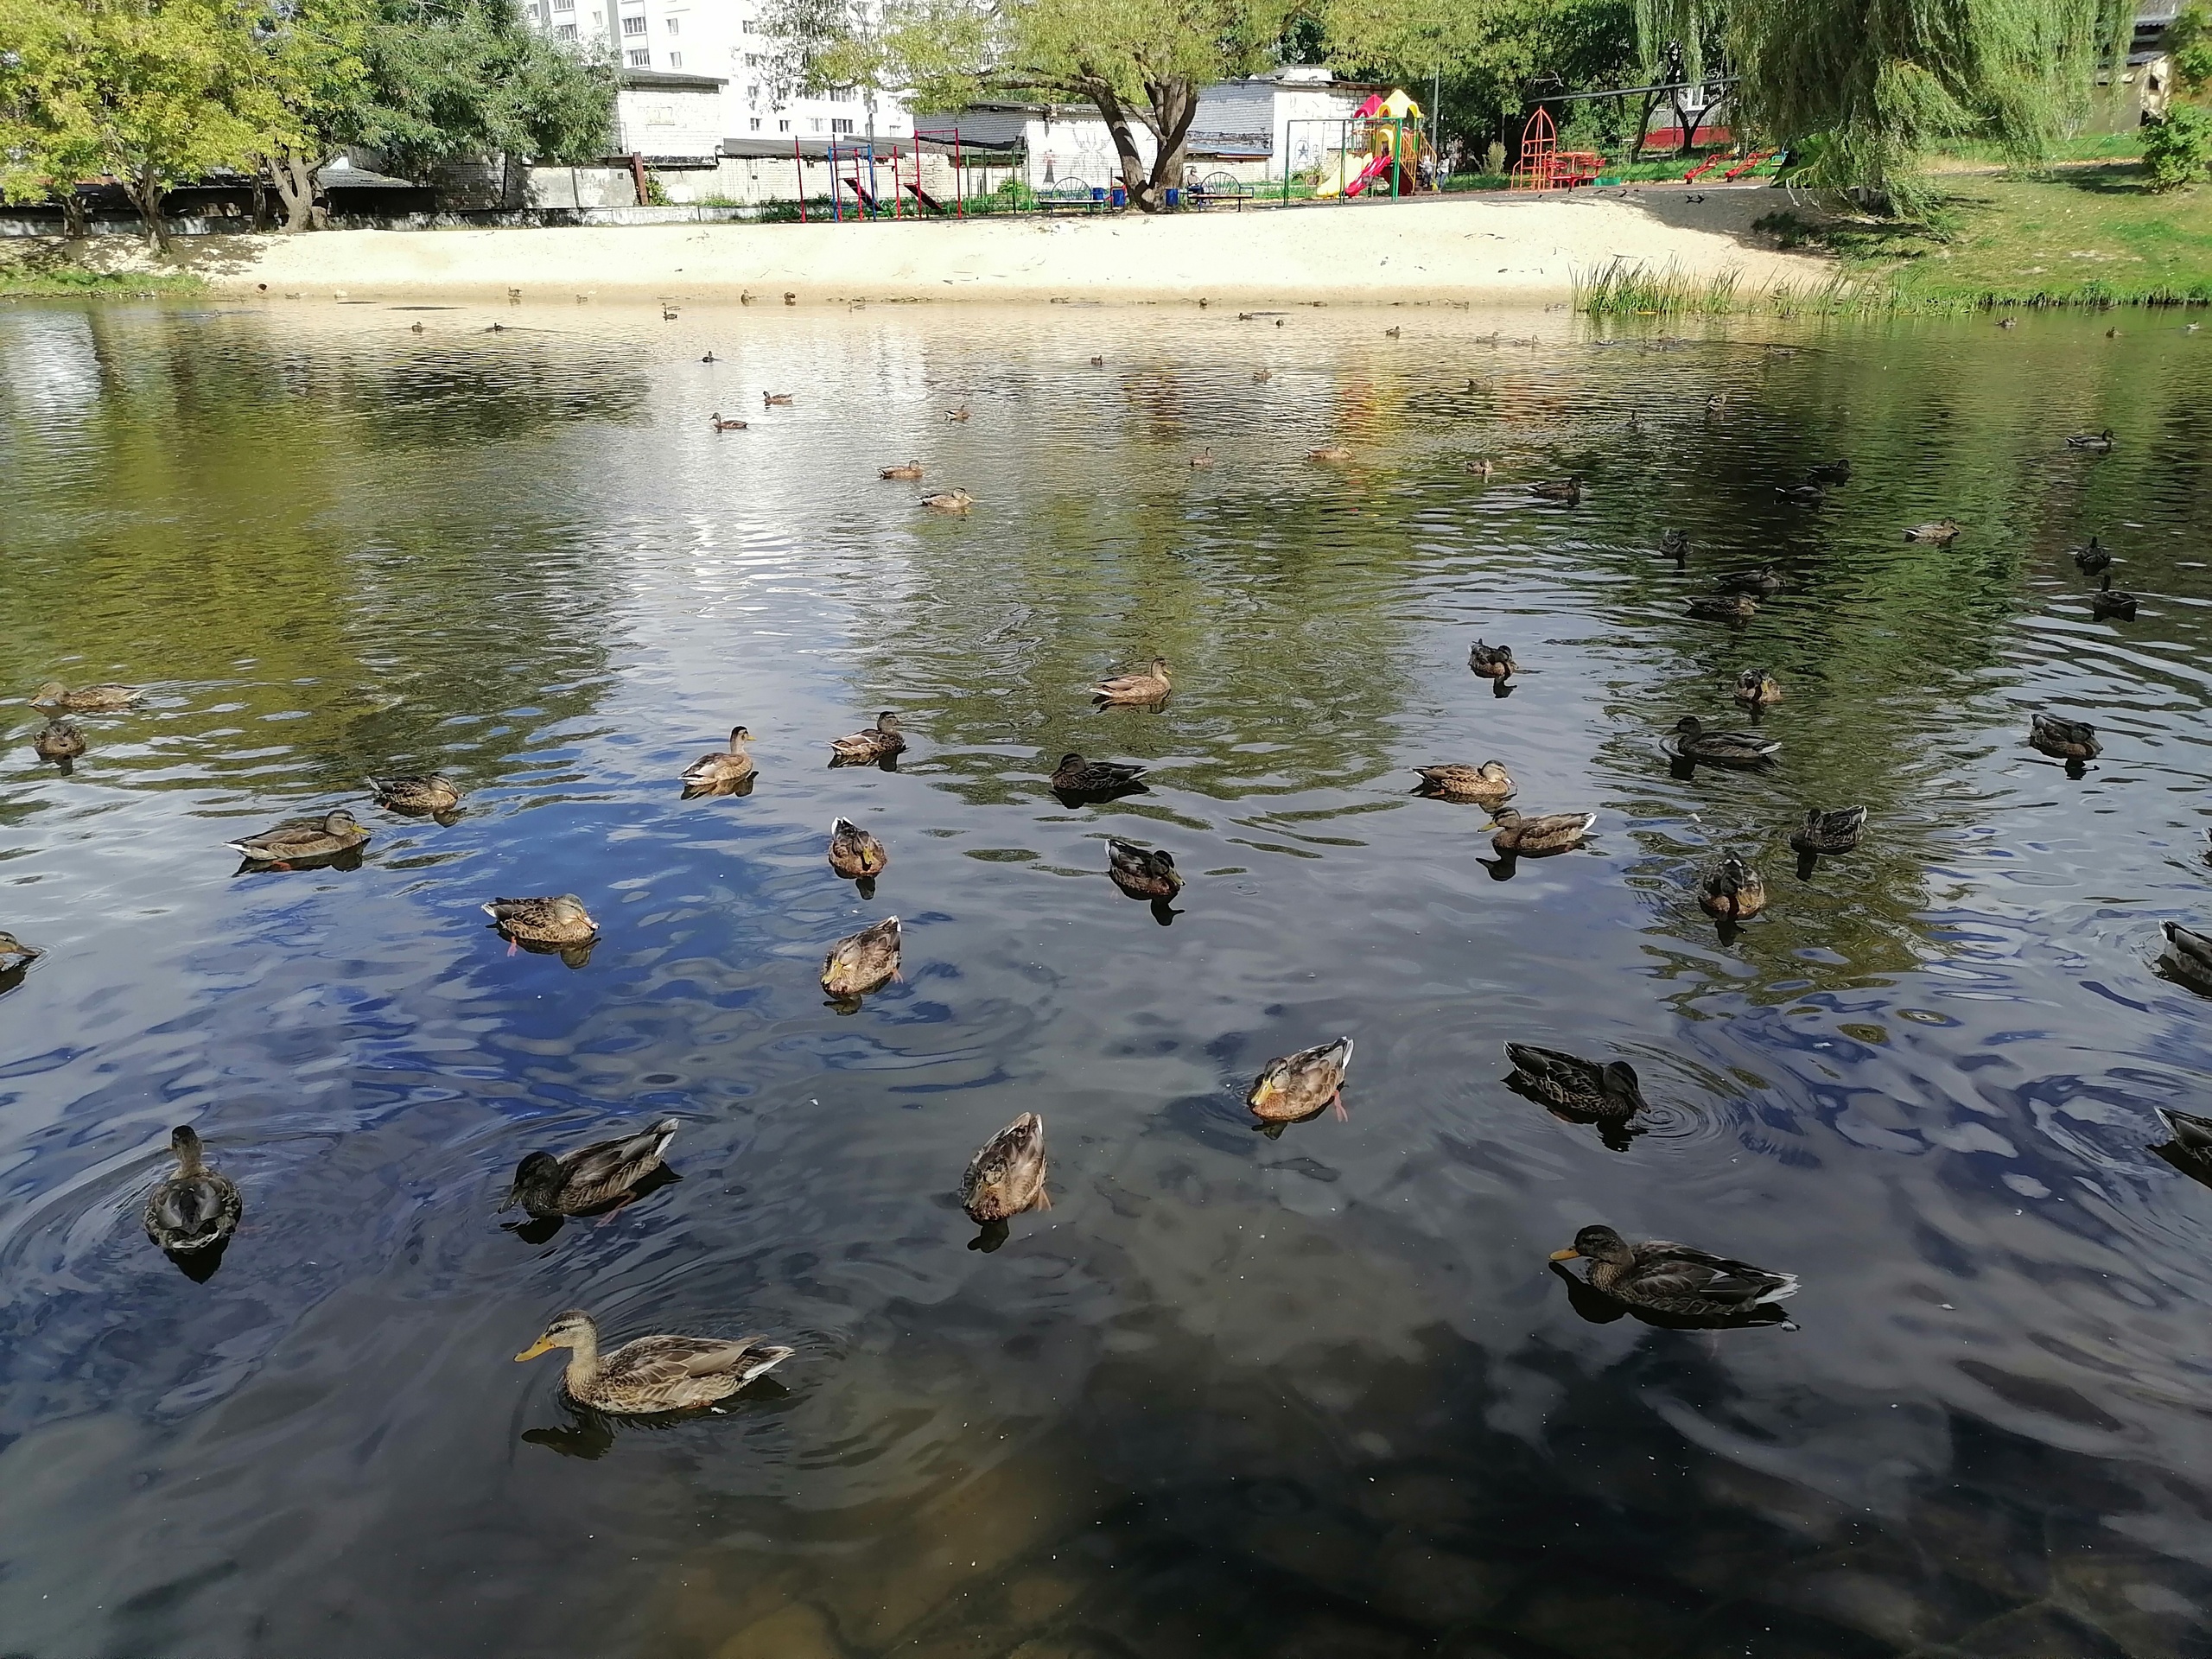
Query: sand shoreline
{"points": [[1492, 249]]}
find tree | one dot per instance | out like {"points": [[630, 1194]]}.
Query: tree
{"points": [[1863, 86], [312, 65], [49, 135], [1141, 63]]}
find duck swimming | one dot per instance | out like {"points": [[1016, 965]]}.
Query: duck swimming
{"points": [[1829, 471], [86, 699], [1078, 777], [872, 746], [2189, 955], [1835, 829], [2101, 441], [547, 1183], [1488, 782], [197, 1207], [1691, 741], [1147, 685], [949, 501], [1490, 662], [1006, 1177], [1732, 890], [2093, 560], [1329, 452], [1942, 531], [1523, 838], [721, 425], [2064, 740], [1761, 579], [1725, 607], [559, 920], [1567, 490], [1756, 688], [2109, 600], [719, 768], [652, 1374], [57, 740], [911, 469], [1670, 1278], [1590, 1089], [334, 832], [429, 795], [862, 962], [853, 852], [1301, 1085], [1142, 873]]}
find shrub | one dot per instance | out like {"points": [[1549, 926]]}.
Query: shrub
{"points": [[2178, 150]]}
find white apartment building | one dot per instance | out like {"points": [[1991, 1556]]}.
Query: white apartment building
{"points": [[722, 39]]}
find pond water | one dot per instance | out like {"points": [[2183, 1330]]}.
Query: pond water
{"points": [[1318, 1393]]}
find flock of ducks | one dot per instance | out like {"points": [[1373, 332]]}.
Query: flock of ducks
{"points": [[192, 1213]]}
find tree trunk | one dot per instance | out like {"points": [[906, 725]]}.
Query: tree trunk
{"points": [[145, 193], [76, 219], [1174, 107], [296, 187], [1125, 141]]}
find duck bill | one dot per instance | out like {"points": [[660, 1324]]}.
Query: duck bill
{"points": [[540, 1346], [1565, 1256], [1263, 1092]]}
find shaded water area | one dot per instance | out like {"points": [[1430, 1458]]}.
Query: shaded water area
{"points": [[1313, 1395]]}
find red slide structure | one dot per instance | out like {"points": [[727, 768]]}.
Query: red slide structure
{"points": [[1376, 168]]}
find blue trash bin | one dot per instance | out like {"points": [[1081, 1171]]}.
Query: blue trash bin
{"points": [[1174, 196], [1098, 193], [1119, 198]]}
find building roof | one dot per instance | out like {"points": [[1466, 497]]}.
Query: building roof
{"points": [[669, 80], [343, 175]]}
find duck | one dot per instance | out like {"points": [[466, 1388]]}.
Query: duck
{"points": [[853, 852], [414, 328], [1568, 489], [2064, 740], [1942, 531], [1669, 1278], [1006, 1177], [1329, 452], [1763, 579], [1203, 460], [1261, 377], [1147, 685], [1731, 889], [721, 767], [1491, 662], [958, 415], [1097, 362], [2100, 442], [1829, 471], [2093, 559], [710, 357], [1691, 741], [949, 501], [862, 962], [1675, 544], [1716, 404], [912, 469], [1802, 495], [1076, 776], [651, 1374], [1298, 1086], [1725, 607], [1481, 468], [721, 425], [2189, 955], [195, 1208], [335, 831], [867, 747], [1141, 872], [1524, 837], [548, 1184], [15, 954], [429, 793], [2192, 1134], [1757, 689], [556, 919], [1829, 830], [1595, 1089], [1488, 782], [58, 739], [86, 699], [2109, 600], [776, 399]]}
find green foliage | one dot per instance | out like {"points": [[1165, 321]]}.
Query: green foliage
{"points": [[2189, 37], [2178, 150]]}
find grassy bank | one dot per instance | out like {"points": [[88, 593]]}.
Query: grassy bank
{"points": [[45, 275]]}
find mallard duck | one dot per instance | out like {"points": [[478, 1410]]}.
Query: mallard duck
{"points": [[710, 357], [911, 469], [1006, 1175], [1942, 531], [1142, 873], [771, 399], [1328, 452], [334, 832], [1261, 376], [547, 1184], [1725, 607], [2108, 601], [1568, 489], [722, 767], [1482, 468], [2192, 1135], [957, 415], [1097, 362], [1524, 837], [429, 793], [862, 962], [1760, 579], [57, 740], [558, 919], [1731, 889], [1076, 776], [1829, 471], [854, 853], [1717, 404], [195, 1208], [1491, 662], [1691, 741], [949, 501], [2095, 559], [2064, 740], [1203, 460], [1831, 829], [1673, 1278], [2099, 440], [1147, 685], [1756, 688], [1675, 544], [1802, 495], [2189, 955], [721, 425], [1298, 1086], [652, 1374], [1591, 1088], [86, 699], [866, 748], [1488, 782], [15, 954]]}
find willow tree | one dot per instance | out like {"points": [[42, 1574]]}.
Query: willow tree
{"points": [[1141, 63], [1862, 88]]}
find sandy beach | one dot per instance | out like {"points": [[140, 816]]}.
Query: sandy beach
{"points": [[1494, 249]]}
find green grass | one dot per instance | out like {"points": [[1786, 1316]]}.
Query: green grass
{"points": [[47, 277], [1626, 289]]}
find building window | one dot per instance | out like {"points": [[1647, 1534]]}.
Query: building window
{"points": [[634, 25], [840, 124], [676, 60], [756, 124], [783, 126], [564, 5], [641, 59], [671, 26], [752, 94], [565, 31]]}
